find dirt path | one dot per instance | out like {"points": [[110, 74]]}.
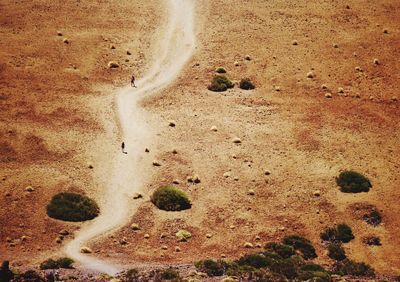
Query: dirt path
{"points": [[175, 50]]}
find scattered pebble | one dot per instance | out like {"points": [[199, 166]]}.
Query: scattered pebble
{"points": [[267, 172], [66, 40], [251, 192], [294, 42], [227, 174], [59, 33], [310, 74], [135, 227], [113, 65], [236, 64], [171, 123], [164, 247], [236, 140], [248, 245], [156, 163], [328, 95], [214, 128], [323, 86], [176, 181], [258, 238], [123, 241], [112, 46], [177, 249], [208, 235], [147, 150], [277, 88], [340, 90], [196, 179], [394, 98], [358, 69], [146, 236], [183, 235], [64, 232], [29, 189], [137, 196], [376, 62], [128, 52], [86, 250], [385, 31], [317, 193], [247, 57], [335, 45]]}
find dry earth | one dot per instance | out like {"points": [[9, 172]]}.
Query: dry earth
{"points": [[57, 109]]}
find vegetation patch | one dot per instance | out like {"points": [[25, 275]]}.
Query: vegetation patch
{"points": [[374, 218], [56, 264], [284, 251], [349, 267], [246, 84], [72, 207], [353, 182], [254, 260], [220, 83], [169, 198], [211, 267], [336, 251], [301, 244], [372, 241], [342, 233]]}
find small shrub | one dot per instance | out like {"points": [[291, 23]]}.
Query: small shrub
{"points": [[353, 182], [211, 267], [220, 70], [284, 251], [220, 83], [301, 244], [30, 275], [312, 267], [170, 274], [254, 260], [72, 207], [55, 264], [169, 198], [374, 218], [246, 84], [285, 267], [336, 252], [132, 275], [372, 241], [342, 233], [349, 267]]}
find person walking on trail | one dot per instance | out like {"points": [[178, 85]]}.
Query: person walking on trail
{"points": [[133, 81], [123, 148], [6, 275]]}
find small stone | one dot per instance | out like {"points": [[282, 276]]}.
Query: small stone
{"points": [[164, 247], [251, 192], [163, 235], [232, 227], [258, 245], [323, 86], [86, 250], [24, 238], [358, 69], [394, 98], [29, 189], [8, 240], [12, 244], [176, 181], [66, 40], [277, 88], [147, 150], [223, 256], [340, 90], [135, 227], [64, 232], [328, 95], [227, 174], [236, 63], [208, 235], [236, 140], [335, 45], [310, 74], [59, 33], [236, 178], [282, 228], [113, 65], [146, 236], [196, 179], [294, 42], [248, 245], [171, 123], [258, 238], [371, 98], [137, 196], [385, 31], [177, 249], [112, 46], [376, 62], [267, 172], [183, 235], [156, 163], [174, 151], [189, 179], [128, 52], [214, 128], [123, 241], [90, 165], [220, 70], [317, 193], [247, 58]]}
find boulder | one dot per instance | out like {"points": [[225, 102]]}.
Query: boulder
{"points": [[317, 193], [248, 245], [328, 95], [135, 227], [86, 250], [156, 163], [214, 128], [310, 74], [294, 42], [236, 140], [113, 65], [183, 235]]}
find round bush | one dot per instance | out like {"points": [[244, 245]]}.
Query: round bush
{"points": [[353, 182], [336, 252], [301, 244], [72, 207], [169, 198], [220, 83]]}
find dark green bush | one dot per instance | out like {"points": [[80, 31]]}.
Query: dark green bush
{"points": [[29, 276], [246, 84], [211, 267], [372, 241], [374, 218], [55, 264], [353, 182], [336, 252], [72, 207], [254, 260], [342, 233], [220, 83], [349, 267], [285, 267], [284, 251], [312, 267], [170, 274], [301, 244], [132, 275], [220, 70], [169, 198]]}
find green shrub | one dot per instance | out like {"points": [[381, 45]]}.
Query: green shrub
{"points": [[220, 83], [349, 267], [246, 84], [301, 244], [56, 264], [342, 233], [336, 252], [254, 260], [211, 267], [220, 70], [284, 251], [169, 198], [372, 241], [170, 274], [315, 276], [285, 267], [312, 267], [374, 218], [353, 182], [72, 207]]}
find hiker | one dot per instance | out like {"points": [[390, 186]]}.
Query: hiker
{"points": [[123, 148], [6, 275], [133, 81]]}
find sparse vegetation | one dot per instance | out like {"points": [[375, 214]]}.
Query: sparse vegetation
{"points": [[254, 260], [342, 233], [170, 274], [58, 263], [284, 251], [374, 218], [72, 207], [372, 241], [336, 251], [211, 267], [220, 83], [169, 198], [353, 182], [349, 267], [301, 244], [246, 84]]}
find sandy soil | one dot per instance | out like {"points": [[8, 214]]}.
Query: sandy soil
{"points": [[303, 138]]}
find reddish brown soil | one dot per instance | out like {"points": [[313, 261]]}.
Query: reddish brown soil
{"points": [[303, 138]]}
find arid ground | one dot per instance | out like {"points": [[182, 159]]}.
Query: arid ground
{"points": [[58, 119]]}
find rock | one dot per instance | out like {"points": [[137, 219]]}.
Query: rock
{"points": [[196, 179], [128, 52], [229, 279], [247, 58], [174, 151], [123, 241], [176, 181], [385, 31], [251, 192], [394, 98], [112, 46], [277, 88], [164, 247], [236, 178], [113, 65], [358, 69], [328, 95], [376, 62], [163, 235], [282, 228], [64, 232], [214, 128], [335, 45], [90, 165], [227, 174], [147, 150], [248, 245], [86, 250], [223, 256], [156, 163], [317, 193], [137, 196], [59, 33], [135, 227], [208, 235], [340, 90], [177, 249], [236, 140], [29, 189], [258, 238], [183, 235], [66, 40], [310, 74], [236, 63], [189, 179], [267, 172], [232, 227], [8, 240], [294, 42], [24, 238], [323, 86], [171, 123], [146, 236]]}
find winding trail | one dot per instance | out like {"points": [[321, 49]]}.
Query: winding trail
{"points": [[175, 49]]}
